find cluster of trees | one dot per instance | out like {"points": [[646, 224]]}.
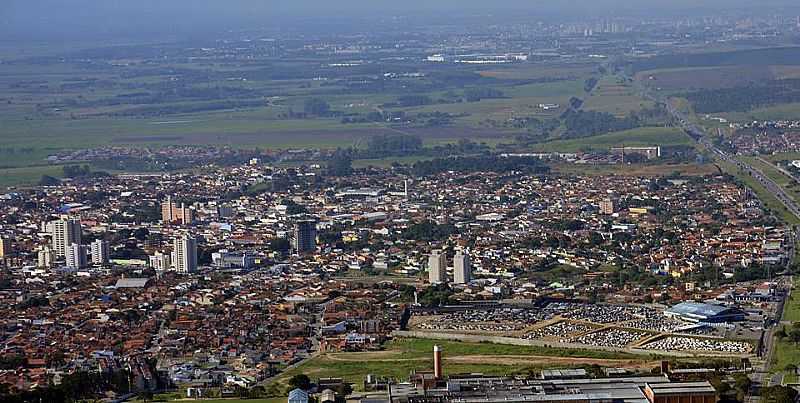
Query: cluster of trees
{"points": [[477, 93], [392, 145], [79, 386], [316, 107], [429, 231], [589, 84], [76, 171], [750, 57], [742, 99], [413, 100], [483, 163], [340, 164], [779, 394], [792, 334], [435, 295], [592, 123]]}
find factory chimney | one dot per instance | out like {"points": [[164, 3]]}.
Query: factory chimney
{"points": [[437, 362]]}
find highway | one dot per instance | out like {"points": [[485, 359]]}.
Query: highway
{"points": [[760, 376], [699, 135]]}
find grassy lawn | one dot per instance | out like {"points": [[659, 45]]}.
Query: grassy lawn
{"points": [[403, 356], [785, 353], [28, 175], [645, 136], [791, 311], [270, 400]]}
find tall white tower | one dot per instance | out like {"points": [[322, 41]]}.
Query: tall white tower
{"points": [[184, 254], [437, 267], [462, 268], [100, 252], [65, 232]]}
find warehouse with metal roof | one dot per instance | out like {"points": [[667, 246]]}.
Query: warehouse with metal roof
{"points": [[702, 312]]}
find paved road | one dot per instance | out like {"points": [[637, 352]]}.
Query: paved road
{"points": [[699, 135]]}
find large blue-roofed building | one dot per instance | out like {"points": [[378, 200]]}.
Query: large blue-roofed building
{"points": [[702, 312]]}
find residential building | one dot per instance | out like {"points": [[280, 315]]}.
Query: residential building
{"points": [[437, 267], [305, 236], [607, 207], [184, 254], [46, 257], [64, 232], [77, 256], [172, 213], [100, 252], [462, 268], [161, 261]]}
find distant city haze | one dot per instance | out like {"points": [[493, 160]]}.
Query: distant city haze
{"points": [[98, 19]]}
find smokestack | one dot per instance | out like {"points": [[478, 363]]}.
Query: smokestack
{"points": [[437, 362]]}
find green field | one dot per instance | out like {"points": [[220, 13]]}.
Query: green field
{"points": [[173, 397], [615, 96], [403, 356], [791, 311], [27, 175], [645, 136], [777, 112]]}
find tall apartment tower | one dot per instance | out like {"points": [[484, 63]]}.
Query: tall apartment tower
{"points": [[305, 236], [100, 252], [77, 256], [607, 207], [161, 261], [184, 254], [65, 232], [5, 247], [462, 268], [172, 213], [46, 257], [437, 267]]}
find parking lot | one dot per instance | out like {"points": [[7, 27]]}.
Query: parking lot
{"points": [[678, 343]]}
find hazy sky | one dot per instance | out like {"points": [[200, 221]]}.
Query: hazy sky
{"points": [[22, 19]]}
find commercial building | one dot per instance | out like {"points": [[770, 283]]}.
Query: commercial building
{"points": [[100, 252], [437, 267], [701, 312], [462, 268], [64, 232], [305, 236], [76, 256], [184, 254]]}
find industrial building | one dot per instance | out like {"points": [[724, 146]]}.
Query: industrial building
{"points": [[706, 313]]}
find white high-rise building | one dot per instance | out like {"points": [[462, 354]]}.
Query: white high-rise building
{"points": [[161, 261], [100, 252], [462, 268], [184, 254], [437, 267], [46, 257], [64, 232], [77, 256]]}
